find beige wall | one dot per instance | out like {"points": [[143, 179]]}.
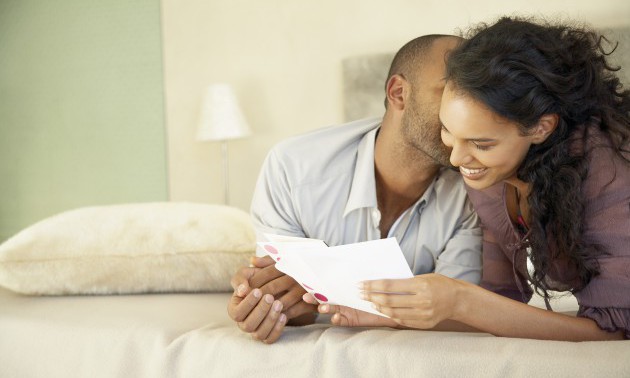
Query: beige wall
{"points": [[283, 58]]}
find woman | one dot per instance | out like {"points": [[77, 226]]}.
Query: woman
{"points": [[539, 128]]}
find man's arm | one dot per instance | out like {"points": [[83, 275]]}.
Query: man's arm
{"points": [[272, 208], [461, 257], [272, 211]]}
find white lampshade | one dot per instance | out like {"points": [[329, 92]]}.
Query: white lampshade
{"points": [[221, 116]]}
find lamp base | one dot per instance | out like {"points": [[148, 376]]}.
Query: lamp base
{"points": [[226, 176]]}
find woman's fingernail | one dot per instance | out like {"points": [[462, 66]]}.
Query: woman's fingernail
{"points": [[325, 308], [282, 320], [257, 293], [269, 298]]}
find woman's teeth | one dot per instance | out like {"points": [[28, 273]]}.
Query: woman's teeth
{"points": [[471, 171]]}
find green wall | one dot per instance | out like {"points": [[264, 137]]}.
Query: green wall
{"points": [[81, 107]]}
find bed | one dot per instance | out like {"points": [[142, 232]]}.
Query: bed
{"points": [[141, 290], [95, 292], [190, 335]]}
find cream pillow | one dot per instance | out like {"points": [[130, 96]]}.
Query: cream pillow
{"points": [[130, 248]]}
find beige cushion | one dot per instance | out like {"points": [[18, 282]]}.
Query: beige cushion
{"points": [[131, 248]]}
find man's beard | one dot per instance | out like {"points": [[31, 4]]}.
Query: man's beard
{"points": [[424, 136]]}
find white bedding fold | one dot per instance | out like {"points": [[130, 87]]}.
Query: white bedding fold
{"points": [[190, 335]]}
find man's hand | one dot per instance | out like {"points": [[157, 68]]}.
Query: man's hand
{"points": [[261, 318], [264, 318], [350, 317], [283, 287]]}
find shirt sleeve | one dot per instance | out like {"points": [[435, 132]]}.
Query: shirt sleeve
{"points": [[606, 298], [461, 257], [272, 208], [498, 272], [609, 319]]}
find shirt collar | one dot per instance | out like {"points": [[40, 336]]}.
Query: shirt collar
{"points": [[363, 187], [428, 193]]}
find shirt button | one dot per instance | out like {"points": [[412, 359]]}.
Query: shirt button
{"points": [[376, 216]]}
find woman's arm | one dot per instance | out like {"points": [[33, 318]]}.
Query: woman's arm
{"points": [[436, 302], [501, 316]]}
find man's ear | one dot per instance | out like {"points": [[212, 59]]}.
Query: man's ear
{"points": [[395, 91], [546, 126]]}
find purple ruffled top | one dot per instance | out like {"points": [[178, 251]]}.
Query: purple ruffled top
{"points": [[606, 298]]}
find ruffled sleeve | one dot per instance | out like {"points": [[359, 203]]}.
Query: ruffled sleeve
{"points": [[606, 191], [606, 298], [610, 319]]}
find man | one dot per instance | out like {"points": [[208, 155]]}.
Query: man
{"points": [[362, 181]]}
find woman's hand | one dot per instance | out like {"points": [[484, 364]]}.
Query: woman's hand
{"points": [[419, 302], [349, 317]]}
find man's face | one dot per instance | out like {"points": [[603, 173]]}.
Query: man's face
{"points": [[420, 121]]}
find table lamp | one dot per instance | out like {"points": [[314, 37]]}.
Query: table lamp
{"points": [[221, 120]]}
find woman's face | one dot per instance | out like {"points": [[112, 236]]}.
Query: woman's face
{"points": [[486, 147]]}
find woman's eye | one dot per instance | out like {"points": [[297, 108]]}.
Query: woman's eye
{"points": [[482, 148]]}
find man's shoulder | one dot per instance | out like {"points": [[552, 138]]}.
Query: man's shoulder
{"points": [[326, 141], [450, 190], [449, 180]]}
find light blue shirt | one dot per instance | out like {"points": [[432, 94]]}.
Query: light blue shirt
{"points": [[321, 185]]}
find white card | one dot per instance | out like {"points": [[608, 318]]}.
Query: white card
{"points": [[275, 238], [332, 274], [288, 262]]}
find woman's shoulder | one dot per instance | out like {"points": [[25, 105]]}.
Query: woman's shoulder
{"points": [[489, 204], [488, 196], [597, 145], [608, 170]]}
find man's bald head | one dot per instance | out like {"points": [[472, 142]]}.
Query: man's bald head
{"points": [[411, 58]]}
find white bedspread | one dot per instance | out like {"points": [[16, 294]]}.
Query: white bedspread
{"points": [[190, 335]]}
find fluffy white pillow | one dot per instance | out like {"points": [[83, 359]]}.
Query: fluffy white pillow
{"points": [[130, 248]]}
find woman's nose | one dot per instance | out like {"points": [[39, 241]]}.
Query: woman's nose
{"points": [[459, 155]]}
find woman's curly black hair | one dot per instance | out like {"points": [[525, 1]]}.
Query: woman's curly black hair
{"points": [[523, 69]]}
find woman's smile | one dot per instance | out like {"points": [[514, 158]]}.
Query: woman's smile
{"points": [[472, 173]]}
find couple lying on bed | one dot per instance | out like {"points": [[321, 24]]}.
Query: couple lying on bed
{"points": [[538, 125]]}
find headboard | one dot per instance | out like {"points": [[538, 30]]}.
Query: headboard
{"points": [[364, 76]]}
